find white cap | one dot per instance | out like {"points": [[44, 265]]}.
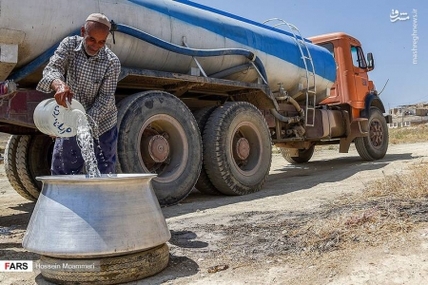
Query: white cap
{"points": [[99, 18]]}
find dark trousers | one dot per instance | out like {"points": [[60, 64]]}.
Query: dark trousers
{"points": [[67, 158]]}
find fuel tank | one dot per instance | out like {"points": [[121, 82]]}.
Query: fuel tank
{"points": [[30, 28]]}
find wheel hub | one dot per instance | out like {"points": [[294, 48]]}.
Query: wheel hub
{"points": [[377, 134], [158, 148], [242, 148]]}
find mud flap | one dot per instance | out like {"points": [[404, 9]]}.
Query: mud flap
{"points": [[358, 128]]}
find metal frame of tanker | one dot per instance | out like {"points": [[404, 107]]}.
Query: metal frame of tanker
{"points": [[17, 119]]}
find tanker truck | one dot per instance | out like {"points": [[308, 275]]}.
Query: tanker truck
{"points": [[202, 97]]}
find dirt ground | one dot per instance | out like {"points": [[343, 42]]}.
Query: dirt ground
{"points": [[243, 240]]}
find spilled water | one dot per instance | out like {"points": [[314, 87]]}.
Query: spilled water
{"points": [[85, 141]]}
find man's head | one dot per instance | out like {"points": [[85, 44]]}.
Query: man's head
{"points": [[95, 32]]}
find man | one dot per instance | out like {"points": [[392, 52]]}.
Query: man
{"points": [[85, 69]]}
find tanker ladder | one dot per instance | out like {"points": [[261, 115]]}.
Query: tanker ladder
{"points": [[309, 78]]}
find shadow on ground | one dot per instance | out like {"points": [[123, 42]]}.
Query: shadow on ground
{"points": [[287, 179]]}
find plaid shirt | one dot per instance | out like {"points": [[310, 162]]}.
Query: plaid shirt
{"points": [[92, 80]]}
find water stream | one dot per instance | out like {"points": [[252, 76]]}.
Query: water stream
{"points": [[85, 141]]}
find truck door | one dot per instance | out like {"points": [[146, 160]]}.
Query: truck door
{"points": [[360, 74]]}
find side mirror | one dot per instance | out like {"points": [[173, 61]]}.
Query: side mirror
{"points": [[370, 61]]}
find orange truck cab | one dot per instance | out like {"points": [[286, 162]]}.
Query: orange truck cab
{"points": [[355, 92]]}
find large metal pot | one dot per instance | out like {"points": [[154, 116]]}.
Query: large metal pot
{"points": [[79, 217]]}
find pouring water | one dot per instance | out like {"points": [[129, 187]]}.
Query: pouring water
{"points": [[57, 121]]}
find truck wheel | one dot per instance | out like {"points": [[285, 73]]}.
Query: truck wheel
{"points": [[122, 108], [40, 157], [204, 184], [11, 170], [237, 153], [23, 169], [375, 145], [304, 155], [112, 270], [158, 134]]}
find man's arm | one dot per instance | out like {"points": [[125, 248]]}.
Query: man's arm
{"points": [[62, 92], [53, 74]]}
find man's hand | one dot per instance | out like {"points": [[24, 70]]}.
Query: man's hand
{"points": [[63, 92]]}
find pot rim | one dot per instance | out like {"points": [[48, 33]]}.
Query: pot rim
{"points": [[84, 178]]}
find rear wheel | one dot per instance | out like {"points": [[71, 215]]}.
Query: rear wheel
{"points": [[11, 169], [158, 134], [40, 157], [122, 108], [27, 157], [204, 184], [375, 145], [237, 153], [23, 169]]}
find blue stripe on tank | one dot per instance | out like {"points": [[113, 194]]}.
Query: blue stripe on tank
{"points": [[270, 40], [236, 17]]}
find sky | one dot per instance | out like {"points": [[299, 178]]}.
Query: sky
{"points": [[395, 31]]}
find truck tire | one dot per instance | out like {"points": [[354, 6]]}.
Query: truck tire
{"points": [[204, 183], [11, 170], [112, 270], [158, 134], [33, 155], [375, 145], [23, 169], [304, 155], [40, 157], [238, 150], [122, 108]]}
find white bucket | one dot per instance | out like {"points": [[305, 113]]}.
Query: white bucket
{"points": [[55, 120]]}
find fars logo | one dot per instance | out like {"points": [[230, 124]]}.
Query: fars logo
{"points": [[16, 266]]}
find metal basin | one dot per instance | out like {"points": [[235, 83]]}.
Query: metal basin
{"points": [[79, 217]]}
